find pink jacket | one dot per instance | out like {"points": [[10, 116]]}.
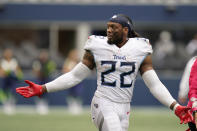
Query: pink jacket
{"points": [[192, 95]]}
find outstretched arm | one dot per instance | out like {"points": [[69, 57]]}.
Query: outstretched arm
{"points": [[67, 80], [154, 84], [160, 91]]}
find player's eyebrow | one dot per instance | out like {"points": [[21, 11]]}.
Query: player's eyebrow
{"points": [[111, 25]]}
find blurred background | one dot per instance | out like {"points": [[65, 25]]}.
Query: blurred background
{"points": [[41, 39]]}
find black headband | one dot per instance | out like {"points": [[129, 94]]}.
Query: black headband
{"points": [[122, 20]]}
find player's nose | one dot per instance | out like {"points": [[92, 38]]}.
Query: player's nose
{"points": [[109, 30]]}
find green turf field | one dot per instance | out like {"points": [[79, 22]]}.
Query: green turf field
{"points": [[150, 119]]}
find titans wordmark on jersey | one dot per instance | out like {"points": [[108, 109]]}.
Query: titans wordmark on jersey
{"points": [[116, 67]]}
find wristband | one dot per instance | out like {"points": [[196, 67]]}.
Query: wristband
{"points": [[175, 106]]}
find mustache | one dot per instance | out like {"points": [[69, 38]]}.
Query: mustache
{"points": [[112, 34]]}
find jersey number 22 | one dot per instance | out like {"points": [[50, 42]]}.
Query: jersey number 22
{"points": [[122, 75]]}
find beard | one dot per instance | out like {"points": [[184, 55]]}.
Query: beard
{"points": [[116, 39], [109, 41]]}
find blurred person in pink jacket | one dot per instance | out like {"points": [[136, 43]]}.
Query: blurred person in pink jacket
{"points": [[184, 83], [188, 90], [192, 95]]}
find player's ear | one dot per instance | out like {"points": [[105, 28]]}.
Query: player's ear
{"points": [[126, 30]]}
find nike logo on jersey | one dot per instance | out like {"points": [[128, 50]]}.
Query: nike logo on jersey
{"points": [[116, 57]]}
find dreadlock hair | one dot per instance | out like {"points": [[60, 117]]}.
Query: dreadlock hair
{"points": [[131, 33]]}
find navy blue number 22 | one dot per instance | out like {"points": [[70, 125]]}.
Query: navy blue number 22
{"points": [[122, 75]]}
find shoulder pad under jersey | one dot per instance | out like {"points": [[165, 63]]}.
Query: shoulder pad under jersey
{"points": [[92, 41], [144, 44]]}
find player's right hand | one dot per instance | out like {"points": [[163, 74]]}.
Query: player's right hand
{"points": [[31, 90]]}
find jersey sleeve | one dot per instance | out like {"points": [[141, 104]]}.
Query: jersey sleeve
{"points": [[146, 47], [89, 43]]}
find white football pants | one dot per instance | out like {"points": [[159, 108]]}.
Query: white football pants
{"points": [[110, 116]]}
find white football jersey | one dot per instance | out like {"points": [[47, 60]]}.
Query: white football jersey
{"points": [[116, 67]]}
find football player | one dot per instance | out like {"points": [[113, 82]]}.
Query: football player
{"points": [[117, 59]]}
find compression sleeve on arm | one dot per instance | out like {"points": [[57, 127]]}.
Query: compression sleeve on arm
{"points": [[157, 89], [70, 79]]}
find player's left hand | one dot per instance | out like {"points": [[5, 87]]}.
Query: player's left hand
{"points": [[184, 114]]}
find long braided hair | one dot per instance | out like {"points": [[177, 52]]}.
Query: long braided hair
{"points": [[132, 33]]}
